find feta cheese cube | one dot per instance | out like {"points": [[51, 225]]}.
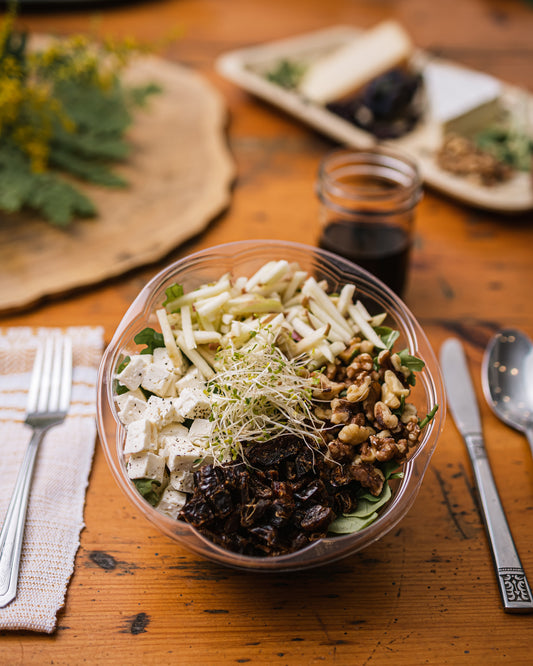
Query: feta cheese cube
{"points": [[162, 359], [146, 465], [182, 481], [158, 380], [132, 375], [161, 411], [121, 398], [140, 436], [200, 431], [171, 431], [182, 454], [193, 403], [171, 502], [132, 409], [191, 379]]}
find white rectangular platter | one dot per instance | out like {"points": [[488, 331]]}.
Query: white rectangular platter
{"points": [[247, 68]]}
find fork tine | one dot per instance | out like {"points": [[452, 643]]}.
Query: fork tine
{"points": [[66, 377], [56, 374], [33, 393], [44, 384]]}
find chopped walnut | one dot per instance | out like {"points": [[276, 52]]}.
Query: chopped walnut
{"points": [[368, 476], [351, 350], [462, 157], [361, 363], [385, 418], [340, 412], [397, 365], [353, 433], [360, 389], [327, 389], [409, 413], [322, 413], [340, 451], [373, 396]]}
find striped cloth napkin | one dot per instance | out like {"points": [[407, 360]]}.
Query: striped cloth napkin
{"points": [[55, 511]]}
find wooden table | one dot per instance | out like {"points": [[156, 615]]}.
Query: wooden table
{"points": [[427, 592]]}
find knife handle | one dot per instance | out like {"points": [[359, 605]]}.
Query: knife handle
{"points": [[514, 587]]}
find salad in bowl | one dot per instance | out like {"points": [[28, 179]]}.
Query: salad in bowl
{"points": [[269, 405]]}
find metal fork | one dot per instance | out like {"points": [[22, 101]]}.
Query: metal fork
{"points": [[48, 403]]}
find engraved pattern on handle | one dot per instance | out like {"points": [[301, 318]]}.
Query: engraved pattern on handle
{"points": [[515, 584]]}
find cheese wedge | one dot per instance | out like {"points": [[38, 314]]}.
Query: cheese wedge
{"points": [[461, 100], [356, 63]]}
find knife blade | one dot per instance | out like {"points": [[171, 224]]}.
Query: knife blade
{"points": [[512, 580]]}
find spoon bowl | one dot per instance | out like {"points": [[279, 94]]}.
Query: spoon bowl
{"points": [[507, 378]]}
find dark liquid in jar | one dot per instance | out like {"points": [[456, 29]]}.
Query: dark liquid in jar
{"points": [[381, 249]]}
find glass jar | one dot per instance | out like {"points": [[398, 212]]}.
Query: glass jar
{"points": [[368, 198]]}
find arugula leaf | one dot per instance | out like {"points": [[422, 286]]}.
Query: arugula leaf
{"points": [[148, 489], [172, 293], [423, 423], [366, 511], [414, 363], [123, 364], [152, 339], [364, 514], [387, 335]]}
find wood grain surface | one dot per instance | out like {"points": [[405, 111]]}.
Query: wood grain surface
{"points": [[426, 593]]}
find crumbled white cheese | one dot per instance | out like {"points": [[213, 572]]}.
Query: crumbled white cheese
{"points": [[121, 398], [140, 436], [171, 502], [182, 480], [200, 431], [182, 454], [132, 375], [146, 466], [157, 379], [162, 359], [191, 379], [132, 409], [161, 411], [192, 404]]}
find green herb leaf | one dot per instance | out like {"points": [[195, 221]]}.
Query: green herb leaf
{"points": [[423, 423], [286, 73], [364, 514], [173, 292], [387, 335], [414, 363], [152, 339], [148, 488]]}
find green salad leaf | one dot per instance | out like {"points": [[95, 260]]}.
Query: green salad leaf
{"points": [[368, 505], [387, 335], [172, 293], [414, 363], [149, 489], [151, 338]]}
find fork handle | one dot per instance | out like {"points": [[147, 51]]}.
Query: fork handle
{"points": [[12, 532]]}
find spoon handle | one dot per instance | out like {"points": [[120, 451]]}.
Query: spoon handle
{"points": [[514, 587]]}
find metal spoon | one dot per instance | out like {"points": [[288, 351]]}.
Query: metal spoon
{"points": [[507, 378]]}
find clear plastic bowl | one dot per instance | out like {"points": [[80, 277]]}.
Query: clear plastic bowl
{"points": [[244, 258]]}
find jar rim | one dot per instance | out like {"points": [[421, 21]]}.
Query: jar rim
{"points": [[382, 164]]}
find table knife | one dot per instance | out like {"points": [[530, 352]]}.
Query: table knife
{"points": [[513, 584]]}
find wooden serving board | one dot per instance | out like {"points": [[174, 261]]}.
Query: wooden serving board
{"points": [[180, 173]]}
